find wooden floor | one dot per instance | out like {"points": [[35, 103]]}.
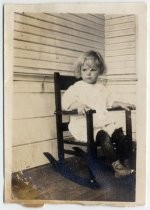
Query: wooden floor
{"points": [[45, 184]]}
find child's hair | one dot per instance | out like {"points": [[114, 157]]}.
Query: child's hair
{"points": [[99, 61]]}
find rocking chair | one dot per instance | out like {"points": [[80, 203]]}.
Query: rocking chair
{"points": [[62, 82]]}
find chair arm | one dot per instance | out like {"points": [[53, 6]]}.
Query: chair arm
{"points": [[73, 112], [127, 119], [118, 109]]}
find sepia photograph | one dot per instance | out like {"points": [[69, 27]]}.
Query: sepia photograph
{"points": [[75, 103]]}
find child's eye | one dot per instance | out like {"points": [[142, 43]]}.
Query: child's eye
{"points": [[83, 69], [93, 69]]}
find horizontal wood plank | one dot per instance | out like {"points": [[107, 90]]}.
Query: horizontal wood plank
{"points": [[40, 71], [50, 51], [113, 16], [55, 22], [121, 71], [51, 42], [121, 64], [28, 54], [125, 97], [33, 78], [33, 86], [92, 18], [39, 64], [99, 16], [118, 27], [58, 28], [120, 52], [126, 32], [117, 46], [120, 19], [33, 130], [121, 39], [57, 35], [123, 89], [75, 17], [29, 105], [120, 58], [31, 155], [44, 48]]}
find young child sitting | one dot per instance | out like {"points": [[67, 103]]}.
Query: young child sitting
{"points": [[90, 93]]}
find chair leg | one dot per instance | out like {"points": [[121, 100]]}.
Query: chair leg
{"points": [[60, 152], [92, 150], [61, 160]]}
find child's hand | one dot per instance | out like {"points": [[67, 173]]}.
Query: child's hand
{"points": [[123, 105], [127, 106], [82, 109]]}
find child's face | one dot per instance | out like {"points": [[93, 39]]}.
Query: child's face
{"points": [[90, 71]]}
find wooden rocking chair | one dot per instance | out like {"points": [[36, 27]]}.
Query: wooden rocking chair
{"points": [[62, 82]]}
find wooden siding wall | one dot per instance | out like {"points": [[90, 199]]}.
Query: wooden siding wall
{"points": [[43, 44], [120, 57], [120, 33]]}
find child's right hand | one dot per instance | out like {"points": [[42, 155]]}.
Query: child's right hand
{"points": [[82, 109]]}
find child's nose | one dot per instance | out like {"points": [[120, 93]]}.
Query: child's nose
{"points": [[89, 72]]}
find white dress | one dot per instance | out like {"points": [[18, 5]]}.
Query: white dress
{"points": [[97, 97]]}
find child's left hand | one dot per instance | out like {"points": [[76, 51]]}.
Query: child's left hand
{"points": [[127, 106]]}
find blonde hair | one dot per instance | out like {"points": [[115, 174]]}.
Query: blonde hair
{"points": [[98, 59]]}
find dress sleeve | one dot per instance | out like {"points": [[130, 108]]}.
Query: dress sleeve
{"points": [[109, 98], [69, 97]]}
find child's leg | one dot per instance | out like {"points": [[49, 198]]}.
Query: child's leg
{"points": [[123, 145], [104, 140], [122, 151]]}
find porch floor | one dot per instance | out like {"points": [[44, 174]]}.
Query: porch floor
{"points": [[44, 183]]}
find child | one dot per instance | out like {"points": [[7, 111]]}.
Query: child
{"points": [[87, 94]]}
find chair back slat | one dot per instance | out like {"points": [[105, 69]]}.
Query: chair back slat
{"points": [[66, 81], [57, 88], [61, 83]]}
